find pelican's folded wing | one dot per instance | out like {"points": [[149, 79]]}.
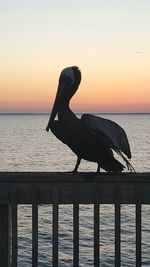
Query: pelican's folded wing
{"points": [[113, 134]]}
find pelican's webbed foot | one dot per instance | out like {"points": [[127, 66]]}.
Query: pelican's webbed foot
{"points": [[75, 170], [98, 168]]}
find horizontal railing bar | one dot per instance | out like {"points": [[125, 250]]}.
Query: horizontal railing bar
{"points": [[86, 189], [127, 177]]}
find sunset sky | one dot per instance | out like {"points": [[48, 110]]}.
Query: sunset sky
{"points": [[109, 40]]}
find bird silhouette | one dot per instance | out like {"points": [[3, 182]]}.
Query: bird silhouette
{"points": [[90, 137]]}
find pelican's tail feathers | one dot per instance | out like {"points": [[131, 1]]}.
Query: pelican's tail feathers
{"points": [[117, 166], [112, 165], [129, 166]]}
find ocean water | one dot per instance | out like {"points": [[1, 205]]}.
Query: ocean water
{"points": [[26, 146]]}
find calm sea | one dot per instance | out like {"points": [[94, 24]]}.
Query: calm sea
{"points": [[26, 146]]}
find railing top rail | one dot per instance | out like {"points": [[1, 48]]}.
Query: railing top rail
{"points": [[126, 188], [63, 177]]}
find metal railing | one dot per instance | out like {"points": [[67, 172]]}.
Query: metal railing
{"points": [[63, 188]]}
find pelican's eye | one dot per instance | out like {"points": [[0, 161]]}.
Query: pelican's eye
{"points": [[65, 79]]}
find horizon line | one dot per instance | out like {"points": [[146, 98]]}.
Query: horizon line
{"points": [[47, 113]]}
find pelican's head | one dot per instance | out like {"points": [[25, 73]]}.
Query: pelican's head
{"points": [[69, 81]]}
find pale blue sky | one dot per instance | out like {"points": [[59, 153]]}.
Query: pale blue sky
{"points": [[101, 37], [57, 26]]}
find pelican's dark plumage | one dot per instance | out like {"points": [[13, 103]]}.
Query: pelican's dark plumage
{"points": [[91, 138]]}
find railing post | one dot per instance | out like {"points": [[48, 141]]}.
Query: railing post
{"points": [[117, 227], [34, 227], [97, 228], [76, 229], [55, 225], [4, 235], [138, 227]]}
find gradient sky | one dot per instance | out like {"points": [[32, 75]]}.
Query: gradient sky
{"points": [[109, 40]]}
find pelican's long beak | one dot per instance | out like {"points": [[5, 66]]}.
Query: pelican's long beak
{"points": [[56, 105], [64, 93]]}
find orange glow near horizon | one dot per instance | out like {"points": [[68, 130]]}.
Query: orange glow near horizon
{"points": [[36, 93], [92, 97]]}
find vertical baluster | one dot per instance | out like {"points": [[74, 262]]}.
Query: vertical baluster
{"points": [[55, 226], [117, 235], [96, 229], [4, 235], [76, 235], [138, 235], [138, 227], [34, 228], [14, 230], [76, 229]]}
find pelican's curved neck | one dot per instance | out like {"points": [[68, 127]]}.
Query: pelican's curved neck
{"points": [[64, 106]]}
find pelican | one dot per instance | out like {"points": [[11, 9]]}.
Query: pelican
{"points": [[91, 138]]}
